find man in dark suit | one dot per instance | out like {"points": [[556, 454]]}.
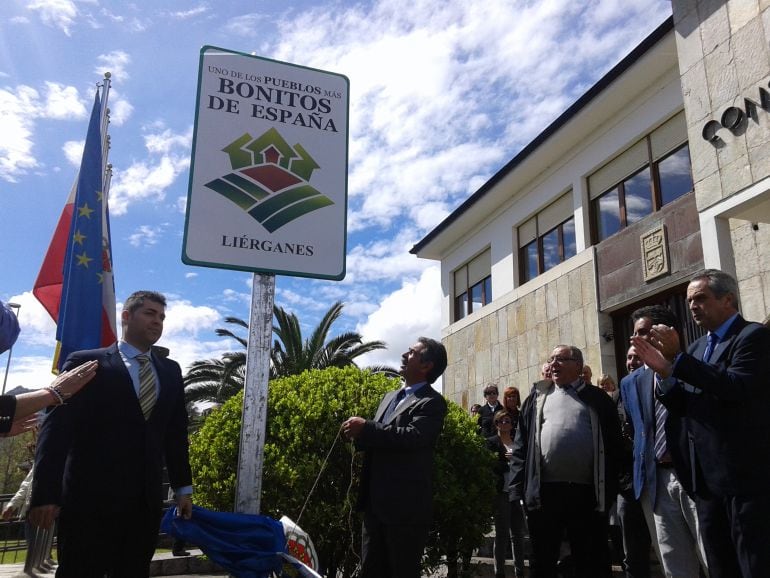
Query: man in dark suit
{"points": [[396, 494], [661, 480], [486, 417], [720, 388], [99, 457]]}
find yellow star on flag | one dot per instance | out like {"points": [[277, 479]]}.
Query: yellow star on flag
{"points": [[84, 211], [78, 237], [99, 196], [83, 259]]}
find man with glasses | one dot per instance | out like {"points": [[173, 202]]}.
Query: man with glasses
{"points": [[486, 418], [566, 466], [719, 388]]}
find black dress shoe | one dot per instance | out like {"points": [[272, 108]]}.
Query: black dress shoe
{"points": [[180, 553]]}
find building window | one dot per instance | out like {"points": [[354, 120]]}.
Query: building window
{"points": [[472, 285], [653, 172], [547, 239], [674, 175]]}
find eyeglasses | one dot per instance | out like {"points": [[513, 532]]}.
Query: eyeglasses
{"points": [[504, 420], [561, 359]]}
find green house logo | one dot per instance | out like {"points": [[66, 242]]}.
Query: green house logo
{"points": [[270, 179]]}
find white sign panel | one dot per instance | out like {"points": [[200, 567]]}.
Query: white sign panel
{"points": [[268, 181]]}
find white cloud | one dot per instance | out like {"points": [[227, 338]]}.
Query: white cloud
{"points": [[148, 179], [145, 236], [403, 316], [73, 150], [186, 330], [383, 259], [231, 296], [37, 327], [434, 84], [30, 371], [190, 275], [17, 126], [191, 13], [245, 25], [116, 63], [63, 102], [57, 13]]}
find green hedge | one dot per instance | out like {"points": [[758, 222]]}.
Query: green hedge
{"points": [[304, 416]]}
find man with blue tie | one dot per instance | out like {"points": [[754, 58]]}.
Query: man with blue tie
{"points": [[661, 475], [99, 459], [396, 494], [719, 387]]}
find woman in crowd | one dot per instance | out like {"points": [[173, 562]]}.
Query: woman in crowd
{"points": [[509, 518]]}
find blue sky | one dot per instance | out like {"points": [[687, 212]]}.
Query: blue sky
{"points": [[443, 93]]}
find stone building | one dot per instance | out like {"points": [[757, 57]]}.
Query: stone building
{"points": [[661, 169]]}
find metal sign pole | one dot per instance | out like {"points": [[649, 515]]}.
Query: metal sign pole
{"points": [[251, 457]]}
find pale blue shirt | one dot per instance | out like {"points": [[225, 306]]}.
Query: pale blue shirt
{"points": [[129, 353]]}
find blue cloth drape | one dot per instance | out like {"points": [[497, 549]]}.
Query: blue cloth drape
{"points": [[246, 545]]}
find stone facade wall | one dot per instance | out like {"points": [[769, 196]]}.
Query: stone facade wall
{"points": [[724, 58], [509, 345], [752, 267], [619, 258]]}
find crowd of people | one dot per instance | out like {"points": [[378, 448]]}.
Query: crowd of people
{"points": [[672, 458], [676, 450]]}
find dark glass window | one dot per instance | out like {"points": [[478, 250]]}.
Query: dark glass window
{"points": [[643, 193], [607, 212], [551, 253], [461, 306], [548, 250], [638, 196], [469, 299], [477, 296], [570, 241], [530, 261], [675, 175]]}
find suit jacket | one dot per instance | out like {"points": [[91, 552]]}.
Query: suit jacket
{"points": [[486, 419], [502, 466], [98, 452], [637, 391], [396, 479], [726, 407]]}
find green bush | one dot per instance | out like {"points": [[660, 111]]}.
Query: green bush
{"points": [[304, 417]]}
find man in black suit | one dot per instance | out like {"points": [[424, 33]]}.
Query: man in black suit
{"points": [[720, 388], [396, 494], [99, 457], [486, 417]]}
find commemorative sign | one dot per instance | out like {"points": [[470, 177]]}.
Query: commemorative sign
{"points": [[268, 176]]}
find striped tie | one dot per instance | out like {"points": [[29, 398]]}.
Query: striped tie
{"points": [[147, 393], [661, 413]]}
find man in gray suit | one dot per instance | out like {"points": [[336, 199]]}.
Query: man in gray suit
{"points": [[396, 494]]}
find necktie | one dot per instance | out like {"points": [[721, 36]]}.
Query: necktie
{"points": [[147, 393], [394, 404], [660, 426], [711, 342]]}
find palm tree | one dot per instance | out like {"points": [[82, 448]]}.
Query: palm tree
{"points": [[292, 355], [216, 380]]}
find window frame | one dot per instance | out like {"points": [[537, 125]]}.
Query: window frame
{"points": [[656, 194], [465, 297], [524, 256]]}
